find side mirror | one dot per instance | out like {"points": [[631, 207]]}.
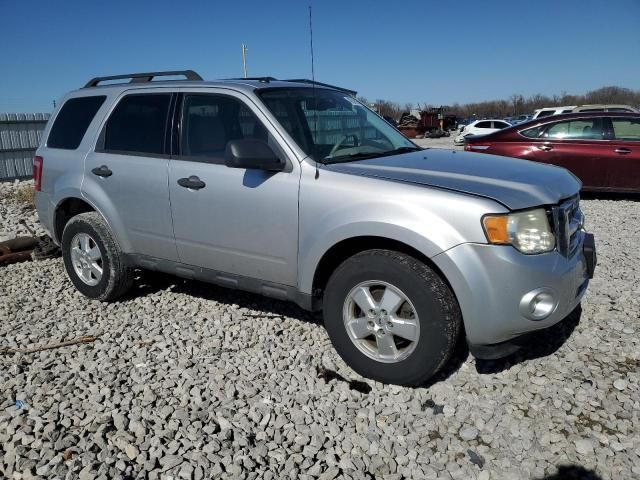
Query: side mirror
{"points": [[253, 154]]}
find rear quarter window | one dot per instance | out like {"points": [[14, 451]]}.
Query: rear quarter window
{"points": [[72, 122], [535, 132], [627, 129]]}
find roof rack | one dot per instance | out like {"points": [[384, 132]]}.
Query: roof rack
{"points": [[259, 79], [144, 77], [297, 80]]}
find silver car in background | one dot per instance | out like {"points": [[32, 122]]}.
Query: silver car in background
{"points": [[296, 191]]}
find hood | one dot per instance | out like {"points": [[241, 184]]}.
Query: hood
{"points": [[515, 183]]}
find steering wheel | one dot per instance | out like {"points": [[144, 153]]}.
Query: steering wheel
{"points": [[340, 142]]}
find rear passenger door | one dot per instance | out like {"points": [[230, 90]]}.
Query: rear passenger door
{"points": [[127, 174], [242, 222], [579, 146], [624, 162]]}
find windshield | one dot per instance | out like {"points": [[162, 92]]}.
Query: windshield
{"points": [[331, 126]]}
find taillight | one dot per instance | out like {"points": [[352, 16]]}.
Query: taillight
{"points": [[38, 164]]}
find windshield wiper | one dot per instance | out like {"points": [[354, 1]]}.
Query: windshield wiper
{"points": [[401, 150], [364, 156], [351, 157]]}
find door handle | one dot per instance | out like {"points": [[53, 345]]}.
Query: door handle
{"points": [[545, 148], [622, 151], [102, 171], [192, 183]]}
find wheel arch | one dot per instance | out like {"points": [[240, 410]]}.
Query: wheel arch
{"points": [[69, 207], [348, 247], [65, 210]]}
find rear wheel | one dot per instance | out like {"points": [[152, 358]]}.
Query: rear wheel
{"points": [[391, 317], [93, 259]]}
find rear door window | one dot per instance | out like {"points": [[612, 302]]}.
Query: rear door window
{"points": [[138, 125], [500, 125], [72, 122], [211, 121], [627, 129], [590, 129]]}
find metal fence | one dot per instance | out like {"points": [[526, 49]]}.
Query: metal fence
{"points": [[20, 135]]}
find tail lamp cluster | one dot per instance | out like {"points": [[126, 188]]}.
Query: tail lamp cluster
{"points": [[38, 165]]}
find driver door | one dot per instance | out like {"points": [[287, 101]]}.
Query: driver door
{"points": [[242, 222]]}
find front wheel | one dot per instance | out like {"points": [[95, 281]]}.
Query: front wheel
{"points": [[391, 317]]}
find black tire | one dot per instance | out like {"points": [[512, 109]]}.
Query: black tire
{"points": [[435, 304], [117, 276]]}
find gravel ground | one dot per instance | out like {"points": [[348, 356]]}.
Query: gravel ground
{"points": [[187, 380]]}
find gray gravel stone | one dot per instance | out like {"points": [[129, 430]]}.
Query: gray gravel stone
{"points": [[188, 380], [584, 446], [468, 432], [620, 384]]}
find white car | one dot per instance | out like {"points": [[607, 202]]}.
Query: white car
{"points": [[480, 127], [546, 112]]}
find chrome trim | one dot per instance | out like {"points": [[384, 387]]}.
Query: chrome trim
{"points": [[568, 222]]}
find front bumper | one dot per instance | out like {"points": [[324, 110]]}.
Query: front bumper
{"points": [[491, 281]]}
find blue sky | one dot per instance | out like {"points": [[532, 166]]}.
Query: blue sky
{"points": [[436, 52]]}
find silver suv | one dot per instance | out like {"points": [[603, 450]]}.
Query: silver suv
{"points": [[295, 190]]}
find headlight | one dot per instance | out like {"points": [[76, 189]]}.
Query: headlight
{"points": [[527, 231]]}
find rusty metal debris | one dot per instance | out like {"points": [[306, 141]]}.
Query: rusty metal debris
{"points": [[21, 249], [430, 123], [16, 250], [45, 249]]}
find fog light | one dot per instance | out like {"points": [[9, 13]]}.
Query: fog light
{"points": [[538, 304]]}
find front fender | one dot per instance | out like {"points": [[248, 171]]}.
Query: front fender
{"points": [[342, 206], [312, 253]]}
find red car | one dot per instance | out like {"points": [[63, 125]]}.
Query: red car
{"points": [[601, 148]]}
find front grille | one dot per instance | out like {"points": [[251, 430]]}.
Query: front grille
{"points": [[568, 221]]}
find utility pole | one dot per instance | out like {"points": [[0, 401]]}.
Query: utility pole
{"points": [[244, 59]]}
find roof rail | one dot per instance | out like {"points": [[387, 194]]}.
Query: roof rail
{"points": [[312, 82], [144, 77], [260, 79], [297, 80]]}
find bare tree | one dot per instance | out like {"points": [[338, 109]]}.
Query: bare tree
{"points": [[517, 104]]}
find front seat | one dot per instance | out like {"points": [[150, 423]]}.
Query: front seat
{"points": [[207, 137]]}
